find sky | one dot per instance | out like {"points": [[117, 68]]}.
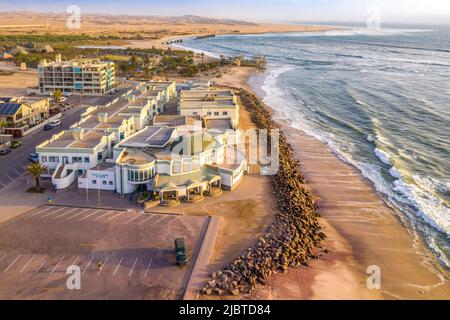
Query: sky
{"points": [[407, 11]]}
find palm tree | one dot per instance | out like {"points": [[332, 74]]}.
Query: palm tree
{"points": [[203, 56], [57, 95], [36, 170]]}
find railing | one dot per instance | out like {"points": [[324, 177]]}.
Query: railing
{"points": [[61, 179]]}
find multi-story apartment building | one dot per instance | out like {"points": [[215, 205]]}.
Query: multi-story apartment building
{"points": [[80, 76]]}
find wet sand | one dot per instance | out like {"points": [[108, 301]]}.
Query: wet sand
{"points": [[362, 231]]}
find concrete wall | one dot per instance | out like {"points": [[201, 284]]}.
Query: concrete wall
{"points": [[104, 180]]}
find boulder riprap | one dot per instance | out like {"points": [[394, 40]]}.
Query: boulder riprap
{"points": [[295, 232]]}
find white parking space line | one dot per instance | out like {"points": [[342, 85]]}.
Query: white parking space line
{"points": [[9, 177], [26, 265], [77, 214], [134, 218], [148, 267], [104, 264], [89, 263], [98, 218], [2, 184], [132, 268], [12, 263], [58, 263], [41, 210], [90, 215], [148, 218], [42, 264], [117, 215], [157, 220], [173, 220], [2, 257], [75, 261], [117, 268], [165, 218], [53, 212], [66, 213], [18, 172]]}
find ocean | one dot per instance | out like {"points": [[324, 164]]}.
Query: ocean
{"points": [[380, 99]]}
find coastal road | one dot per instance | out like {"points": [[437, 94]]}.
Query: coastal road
{"points": [[13, 164]]}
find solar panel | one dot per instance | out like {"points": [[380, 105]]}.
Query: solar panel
{"points": [[9, 109], [5, 99]]}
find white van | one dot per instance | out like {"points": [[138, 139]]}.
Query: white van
{"points": [[55, 123]]}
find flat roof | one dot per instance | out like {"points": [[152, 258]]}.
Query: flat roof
{"points": [[136, 157], [90, 139], [175, 120], [221, 124], [206, 173], [151, 136], [103, 166]]}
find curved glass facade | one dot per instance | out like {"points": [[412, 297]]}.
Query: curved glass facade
{"points": [[140, 176]]}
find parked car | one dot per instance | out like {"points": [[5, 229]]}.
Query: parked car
{"points": [[16, 144], [67, 94], [33, 157], [4, 151], [48, 127], [55, 123], [180, 252], [63, 99]]}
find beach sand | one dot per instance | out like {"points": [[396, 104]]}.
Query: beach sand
{"points": [[362, 231], [15, 84]]}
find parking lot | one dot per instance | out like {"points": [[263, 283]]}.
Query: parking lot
{"points": [[136, 251]]}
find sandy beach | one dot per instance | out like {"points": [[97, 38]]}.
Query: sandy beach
{"points": [[362, 231]]}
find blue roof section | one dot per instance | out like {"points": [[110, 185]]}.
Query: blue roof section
{"points": [[9, 109]]}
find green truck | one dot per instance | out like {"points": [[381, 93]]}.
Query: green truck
{"points": [[180, 251]]}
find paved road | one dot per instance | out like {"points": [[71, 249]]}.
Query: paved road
{"points": [[13, 164]]}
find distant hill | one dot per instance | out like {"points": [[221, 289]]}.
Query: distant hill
{"points": [[131, 26]]}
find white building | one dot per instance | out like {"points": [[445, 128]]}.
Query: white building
{"points": [[71, 153], [127, 147], [210, 104]]}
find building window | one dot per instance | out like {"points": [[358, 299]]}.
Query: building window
{"points": [[111, 183], [194, 113], [86, 159], [216, 113], [209, 113], [77, 160], [94, 181], [225, 113], [140, 175], [53, 159], [99, 156], [44, 159], [104, 183]]}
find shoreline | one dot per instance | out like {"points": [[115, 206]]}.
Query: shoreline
{"points": [[162, 42], [361, 229]]}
